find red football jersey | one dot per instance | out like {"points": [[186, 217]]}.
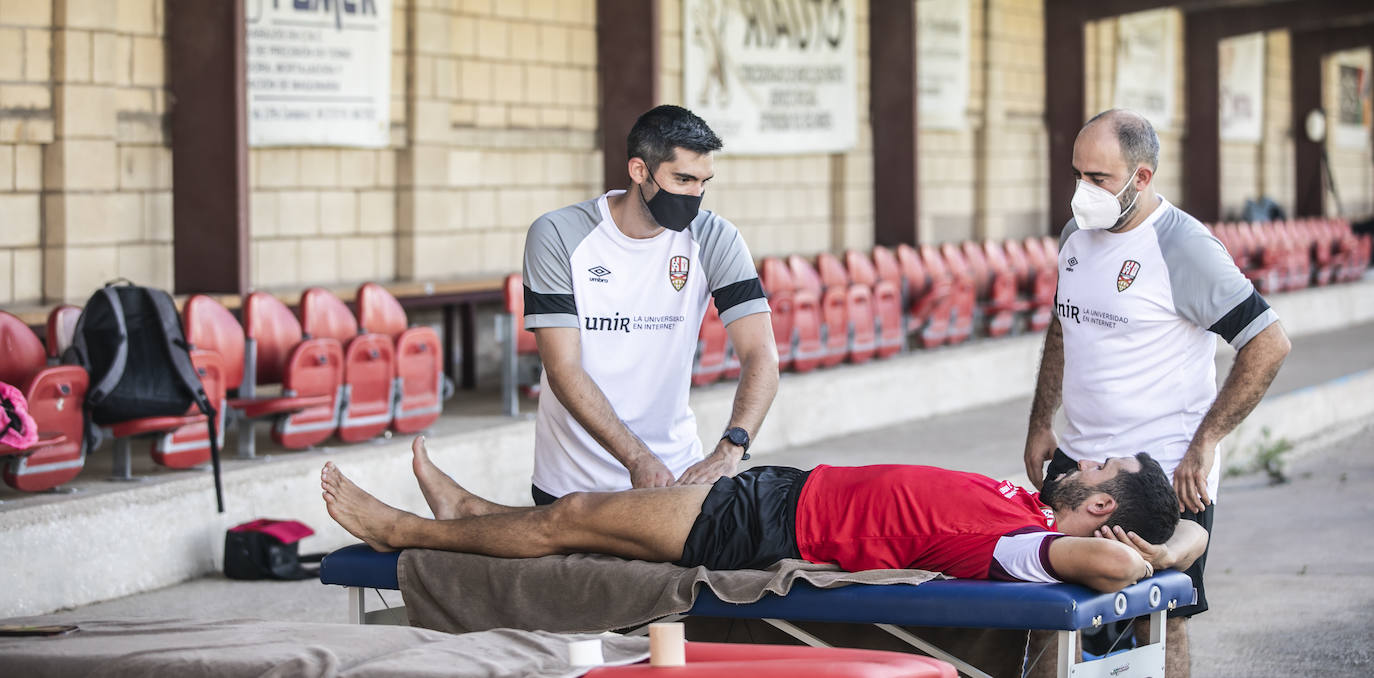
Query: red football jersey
{"points": [[919, 517]]}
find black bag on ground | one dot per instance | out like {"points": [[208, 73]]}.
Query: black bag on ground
{"points": [[267, 549], [130, 341]]}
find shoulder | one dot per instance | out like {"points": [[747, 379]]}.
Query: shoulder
{"points": [[571, 222], [1185, 243], [1069, 229], [710, 226]]}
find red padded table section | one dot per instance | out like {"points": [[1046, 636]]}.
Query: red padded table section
{"points": [[785, 661]]}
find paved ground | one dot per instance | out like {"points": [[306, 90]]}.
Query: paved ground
{"points": [[1291, 572]]}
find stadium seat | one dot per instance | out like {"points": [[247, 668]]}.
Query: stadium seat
{"points": [[963, 293], [190, 429], [55, 397], [310, 373], [61, 328], [188, 444], [1035, 282], [887, 299], [369, 363], [798, 330], [777, 286], [834, 321], [998, 299], [210, 326], [928, 287], [709, 363], [515, 354], [1043, 255], [860, 321], [419, 381]]}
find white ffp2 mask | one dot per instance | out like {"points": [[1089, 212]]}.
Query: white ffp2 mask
{"points": [[1095, 207]]}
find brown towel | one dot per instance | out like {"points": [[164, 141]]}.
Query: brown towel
{"points": [[241, 647], [460, 592]]}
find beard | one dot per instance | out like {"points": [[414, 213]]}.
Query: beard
{"points": [[1127, 198], [1064, 492]]}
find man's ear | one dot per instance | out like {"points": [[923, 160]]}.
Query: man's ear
{"points": [[1100, 504], [639, 170], [1143, 175]]}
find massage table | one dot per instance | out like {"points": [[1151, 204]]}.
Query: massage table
{"points": [[963, 603]]}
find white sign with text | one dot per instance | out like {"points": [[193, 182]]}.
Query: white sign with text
{"points": [[319, 72], [772, 76]]}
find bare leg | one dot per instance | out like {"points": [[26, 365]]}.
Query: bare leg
{"points": [[648, 524], [1177, 656], [446, 498]]}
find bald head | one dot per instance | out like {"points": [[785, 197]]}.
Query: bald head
{"points": [[1132, 132]]}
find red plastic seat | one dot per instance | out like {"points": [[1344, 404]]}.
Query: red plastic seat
{"points": [[310, 373], [712, 660], [925, 298], [886, 299], [210, 326], [369, 363], [861, 327], [519, 371], [61, 328], [964, 293], [832, 304], [1003, 300], [1036, 282], [777, 286], [709, 364], [55, 397], [419, 380], [187, 443]]}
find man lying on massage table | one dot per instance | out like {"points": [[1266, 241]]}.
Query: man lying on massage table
{"points": [[1104, 525]]}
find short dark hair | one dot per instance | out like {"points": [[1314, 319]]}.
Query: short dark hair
{"points": [[657, 133], [1145, 501], [1139, 143]]}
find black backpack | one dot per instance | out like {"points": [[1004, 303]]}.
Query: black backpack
{"points": [[129, 339]]}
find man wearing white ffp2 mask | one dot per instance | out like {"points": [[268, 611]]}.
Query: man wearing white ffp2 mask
{"points": [[1095, 207], [1143, 288]]}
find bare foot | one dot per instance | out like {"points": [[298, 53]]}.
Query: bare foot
{"points": [[357, 511], [446, 498]]}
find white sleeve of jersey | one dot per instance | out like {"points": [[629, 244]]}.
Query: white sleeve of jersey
{"points": [[1020, 555]]}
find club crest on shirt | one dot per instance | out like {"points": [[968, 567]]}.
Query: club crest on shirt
{"points": [[1129, 269], [677, 272]]}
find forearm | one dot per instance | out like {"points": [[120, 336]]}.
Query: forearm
{"points": [[758, 385], [1187, 545], [1049, 383], [580, 395], [1255, 367]]}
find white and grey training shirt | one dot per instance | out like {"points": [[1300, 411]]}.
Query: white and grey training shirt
{"points": [[638, 304], [1139, 310]]}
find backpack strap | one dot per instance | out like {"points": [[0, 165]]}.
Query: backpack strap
{"points": [[179, 351], [108, 381]]}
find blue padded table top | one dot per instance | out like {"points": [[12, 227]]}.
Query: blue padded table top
{"points": [[960, 602], [947, 602], [359, 565]]}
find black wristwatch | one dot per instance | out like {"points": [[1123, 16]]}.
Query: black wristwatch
{"points": [[738, 436]]}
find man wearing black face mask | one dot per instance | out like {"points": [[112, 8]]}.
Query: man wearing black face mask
{"points": [[615, 291]]}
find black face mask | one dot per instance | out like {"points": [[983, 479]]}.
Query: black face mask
{"points": [[672, 211]]}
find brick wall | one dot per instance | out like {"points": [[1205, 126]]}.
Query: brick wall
{"points": [[26, 122]]}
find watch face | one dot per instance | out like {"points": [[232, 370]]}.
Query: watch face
{"points": [[738, 436]]}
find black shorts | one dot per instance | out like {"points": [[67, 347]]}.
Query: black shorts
{"points": [[1062, 463], [747, 522]]}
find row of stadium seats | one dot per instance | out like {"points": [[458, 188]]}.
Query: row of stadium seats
{"points": [[326, 373], [868, 305], [1291, 255]]}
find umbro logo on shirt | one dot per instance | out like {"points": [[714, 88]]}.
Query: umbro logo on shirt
{"points": [[1073, 261], [599, 273]]}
